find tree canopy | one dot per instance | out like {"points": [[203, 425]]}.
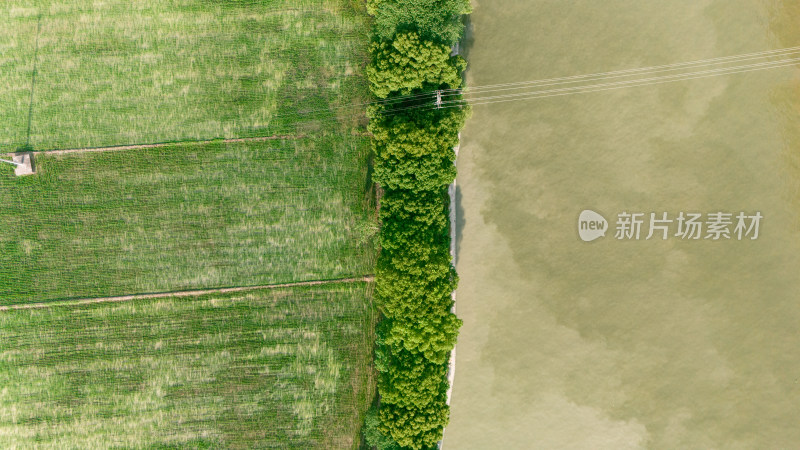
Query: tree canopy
{"points": [[408, 63], [435, 20], [414, 163]]}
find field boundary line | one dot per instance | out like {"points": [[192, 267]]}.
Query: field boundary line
{"points": [[166, 144], [33, 79], [190, 293]]}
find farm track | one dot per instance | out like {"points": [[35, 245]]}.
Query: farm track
{"points": [[123, 298], [166, 144]]}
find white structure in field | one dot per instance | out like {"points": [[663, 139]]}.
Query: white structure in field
{"points": [[23, 161]]}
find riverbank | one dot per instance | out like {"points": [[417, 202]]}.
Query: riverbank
{"points": [[451, 365]]}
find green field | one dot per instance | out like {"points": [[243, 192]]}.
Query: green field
{"points": [[284, 368], [186, 216], [117, 72], [281, 368]]}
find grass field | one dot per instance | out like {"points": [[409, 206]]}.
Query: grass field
{"points": [[281, 368], [117, 72], [185, 216], [284, 368]]}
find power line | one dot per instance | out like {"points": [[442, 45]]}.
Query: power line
{"points": [[546, 93], [628, 72], [476, 94], [349, 112], [627, 83], [632, 83]]}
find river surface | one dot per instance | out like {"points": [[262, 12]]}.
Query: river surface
{"points": [[623, 344]]}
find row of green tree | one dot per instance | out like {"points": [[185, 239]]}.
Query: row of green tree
{"points": [[414, 164]]}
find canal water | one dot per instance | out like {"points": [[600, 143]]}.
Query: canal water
{"points": [[625, 343]]}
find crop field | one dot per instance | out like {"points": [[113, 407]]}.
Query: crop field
{"points": [[282, 368], [271, 368], [186, 216], [88, 73]]}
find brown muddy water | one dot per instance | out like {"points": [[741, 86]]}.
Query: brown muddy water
{"points": [[617, 344]]}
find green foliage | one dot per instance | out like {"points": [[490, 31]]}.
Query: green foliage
{"points": [[373, 435], [365, 230], [408, 63], [420, 209], [412, 252], [436, 20], [415, 151], [431, 336], [416, 242], [414, 163], [419, 385], [413, 394], [415, 428], [412, 297]]}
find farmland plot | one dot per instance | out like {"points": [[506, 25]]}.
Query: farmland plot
{"points": [[186, 216], [283, 368], [119, 72], [280, 368]]}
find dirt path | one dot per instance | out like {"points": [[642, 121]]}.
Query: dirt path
{"points": [[164, 144], [123, 298]]}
